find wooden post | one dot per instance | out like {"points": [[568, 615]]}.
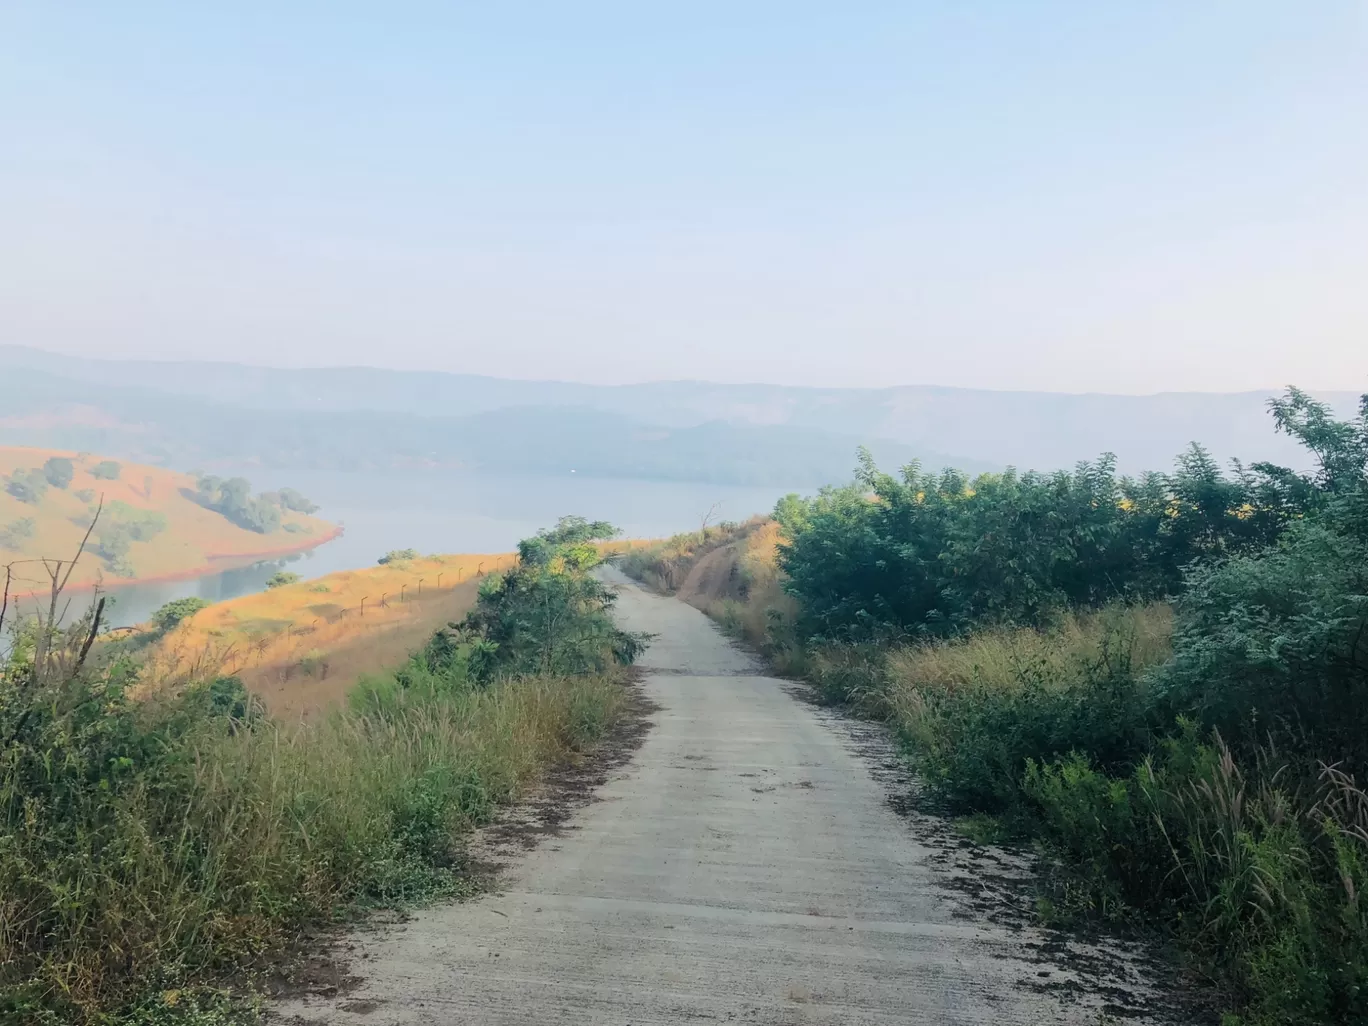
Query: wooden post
{"points": [[402, 589], [420, 586], [439, 582], [363, 604]]}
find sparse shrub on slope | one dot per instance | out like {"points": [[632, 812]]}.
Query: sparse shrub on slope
{"points": [[27, 486], [118, 528], [233, 498], [59, 471], [169, 616], [14, 534]]}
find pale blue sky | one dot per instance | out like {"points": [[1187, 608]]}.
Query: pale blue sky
{"points": [[1053, 195]]}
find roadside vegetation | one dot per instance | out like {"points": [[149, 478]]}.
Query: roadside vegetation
{"points": [[156, 843], [1162, 683], [303, 645]]}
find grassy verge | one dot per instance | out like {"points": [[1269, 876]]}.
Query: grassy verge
{"points": [[152, 847], [1102, 740]]}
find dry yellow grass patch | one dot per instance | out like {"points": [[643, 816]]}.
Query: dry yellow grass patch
{"points": [[302, 646], [196, 540]]}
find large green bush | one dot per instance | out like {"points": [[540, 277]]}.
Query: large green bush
{"points": [[1215, 790]]}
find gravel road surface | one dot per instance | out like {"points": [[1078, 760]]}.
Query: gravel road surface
{"points": [[744, 866]]}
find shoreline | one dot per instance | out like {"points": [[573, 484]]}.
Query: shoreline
{"points": [[216, 564]]}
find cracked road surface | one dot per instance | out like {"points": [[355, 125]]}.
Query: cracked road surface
{"points": [[745, 866]]}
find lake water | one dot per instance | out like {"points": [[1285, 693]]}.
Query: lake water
{"points": [[444, 511]]}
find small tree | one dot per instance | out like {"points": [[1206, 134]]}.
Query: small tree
{"points": [[27, 486], [281, 578], [16, 533], [106, 470], [59, 471], [397, 556], [292, 500], [169, 616]]}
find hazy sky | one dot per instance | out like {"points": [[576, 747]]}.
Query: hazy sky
{"points": [[1119, 196]]}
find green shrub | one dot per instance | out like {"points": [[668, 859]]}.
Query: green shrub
{"points": [[232, 497], [106, 470], [397, 556], [281, 578], [119, 526], [59, 471], [27, 486], [14, 534], [169, 616], [1277, 643]]}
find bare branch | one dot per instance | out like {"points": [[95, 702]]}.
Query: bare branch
{"points": [[93, 521], [90, 638], [4, 604]]}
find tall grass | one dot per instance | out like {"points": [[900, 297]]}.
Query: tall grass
{"points": [[155, 845], [1257, 863]]}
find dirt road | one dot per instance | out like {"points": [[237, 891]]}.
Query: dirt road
{"points": [[746, 866]]}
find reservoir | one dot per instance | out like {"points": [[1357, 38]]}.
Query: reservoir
{"points": [[442, 511]]}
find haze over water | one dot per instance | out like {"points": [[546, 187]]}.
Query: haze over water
{"points": [[445, 512]]}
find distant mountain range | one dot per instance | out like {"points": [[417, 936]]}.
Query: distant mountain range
{"points": [[187, 414]]}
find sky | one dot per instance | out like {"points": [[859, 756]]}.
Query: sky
{"points": [[1020, 194]]}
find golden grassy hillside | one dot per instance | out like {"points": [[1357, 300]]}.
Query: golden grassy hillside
{"points": [[193, 539], [302, 646], [730, 572]]}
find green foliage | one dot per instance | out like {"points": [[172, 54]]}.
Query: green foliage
{"points": [[119, 527], [292, 500], [281, 578], [86, 495], [14, 534], [169, 616], [397, 556], [150, 847], [232, 497], [1276, 644], [1214, 790], [549, 614], [59, 471], [27, 485], [930, 556], [106, 470]]}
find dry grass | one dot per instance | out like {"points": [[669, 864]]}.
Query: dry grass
{"points": [[196, 540], [303, 646], [1005, 657], [731, 573], [202, 861]]}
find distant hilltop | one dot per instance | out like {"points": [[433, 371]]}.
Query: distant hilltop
{"points": [[353, 418], [153, 523]]}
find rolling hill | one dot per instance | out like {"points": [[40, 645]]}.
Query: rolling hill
{"points": [[193, 413], [152, 526]]}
